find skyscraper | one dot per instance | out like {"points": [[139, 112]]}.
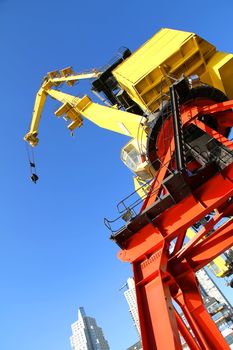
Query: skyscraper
{"points": [[209, 288], [86, 335], [130, 296]]}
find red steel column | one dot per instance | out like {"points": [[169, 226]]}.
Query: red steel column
{"points": [[190, 300], [149, 255], [185, 333]]}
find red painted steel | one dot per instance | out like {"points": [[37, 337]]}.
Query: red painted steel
{"points": [[192, 343], [163, 277]]}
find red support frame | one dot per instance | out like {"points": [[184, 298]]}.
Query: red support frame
{"points": [[163, 278]]}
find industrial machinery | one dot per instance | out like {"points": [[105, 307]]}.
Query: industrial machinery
{"points": [[172, 97]]}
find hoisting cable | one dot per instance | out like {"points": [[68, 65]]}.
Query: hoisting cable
{"points": [[31, 159]]}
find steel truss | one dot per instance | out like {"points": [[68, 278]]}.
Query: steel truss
{"points": [[164, 279]]}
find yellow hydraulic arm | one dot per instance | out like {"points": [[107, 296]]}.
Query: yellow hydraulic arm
{"points": [[74, 108]]}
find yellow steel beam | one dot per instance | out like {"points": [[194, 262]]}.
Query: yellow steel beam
{"points": [[74, 107], [71, 79], [31, 136], [105, 117]]}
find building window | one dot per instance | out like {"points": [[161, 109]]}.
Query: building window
{"points": [[229, 339]]}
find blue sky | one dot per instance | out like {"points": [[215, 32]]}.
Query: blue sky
{"points": [[55, 254]]}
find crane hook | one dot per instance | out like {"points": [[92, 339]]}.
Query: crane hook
{"points": [[34, 177]]}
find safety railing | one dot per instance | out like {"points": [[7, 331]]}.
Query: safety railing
{"points": [[129, 207]]}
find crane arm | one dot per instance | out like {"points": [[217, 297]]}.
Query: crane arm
{"points": [[54, 78], [66, 75], [31, 136], [105, 117], [73, 108]]}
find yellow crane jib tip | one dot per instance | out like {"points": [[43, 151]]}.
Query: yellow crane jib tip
{"points": [[31, 138]]}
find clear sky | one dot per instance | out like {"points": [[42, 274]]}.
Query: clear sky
{"points": [[55, 254]]}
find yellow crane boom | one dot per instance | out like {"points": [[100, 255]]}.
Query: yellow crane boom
{"points": [[74, 108]]}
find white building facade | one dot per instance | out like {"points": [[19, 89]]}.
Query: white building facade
{"points": [[130, 296], [86, 334]]}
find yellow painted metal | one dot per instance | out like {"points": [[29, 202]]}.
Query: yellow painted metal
{"points": [[31, 136], [141, 187], [66, 75], [71, 79], [220, 69], [74, 107], [147, 74], [108, 118], [218, 266], [56, 78], [105, 117]]}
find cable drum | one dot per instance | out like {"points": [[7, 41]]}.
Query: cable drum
{"points": [[161, 129]]}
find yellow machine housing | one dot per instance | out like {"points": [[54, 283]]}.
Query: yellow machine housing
{"points": [[147, 74]]}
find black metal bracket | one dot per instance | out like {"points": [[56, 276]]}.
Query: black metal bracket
{"points": [[175, 91]]}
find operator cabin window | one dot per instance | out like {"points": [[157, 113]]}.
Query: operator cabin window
{"points": [[131, 157]]}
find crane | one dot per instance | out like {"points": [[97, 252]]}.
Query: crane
{"points": [[173, 98]]}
